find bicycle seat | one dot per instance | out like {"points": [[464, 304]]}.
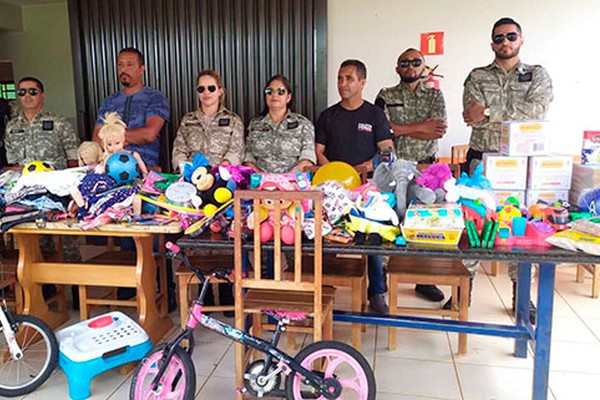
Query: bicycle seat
{"points": [[285, 314]]}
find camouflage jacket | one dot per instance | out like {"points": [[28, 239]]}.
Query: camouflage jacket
{"points": [[521, 94], [48, 137], [403, 106], [220, 137], [278, 147]]}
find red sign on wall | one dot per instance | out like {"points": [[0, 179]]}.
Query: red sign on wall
{"points": [[432, 43]]}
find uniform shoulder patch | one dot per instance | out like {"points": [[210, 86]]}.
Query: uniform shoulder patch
{"points": [[525, 77], [224, 121], [292, 124]]}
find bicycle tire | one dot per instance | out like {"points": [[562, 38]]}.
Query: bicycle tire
{"points": [[361, 374], [178, 382], [39, 347]]}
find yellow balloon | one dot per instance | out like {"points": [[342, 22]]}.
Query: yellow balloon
{"points": [[339, 171]]}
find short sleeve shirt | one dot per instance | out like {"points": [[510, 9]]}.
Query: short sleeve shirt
{"points": [[278, 147], [134, 110], [352, 135], [48, 137]]}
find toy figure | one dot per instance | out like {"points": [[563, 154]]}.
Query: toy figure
{"points": [[112, 135], [89, 154]]}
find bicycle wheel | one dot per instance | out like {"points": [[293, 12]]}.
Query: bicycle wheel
{"points": [[40, 356], [350, 375], [177, 383]]}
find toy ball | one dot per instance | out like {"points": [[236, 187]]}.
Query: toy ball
{"points": [[266, 232], [339, 171], [123, 167], [288, 234], [37, 166]]}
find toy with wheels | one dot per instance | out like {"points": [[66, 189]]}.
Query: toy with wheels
{"points": [[91, 347], [339, 171]]}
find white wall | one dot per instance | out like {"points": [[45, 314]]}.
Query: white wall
{"points": [[561, 35]]}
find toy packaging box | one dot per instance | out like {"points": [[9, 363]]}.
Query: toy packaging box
{"points": [[505, 172], [549, 172], [590, 151], [584, 177], [548, 196], [502, 195], [525, 138], [440, 224]]}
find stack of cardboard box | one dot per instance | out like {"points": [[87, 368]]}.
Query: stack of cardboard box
{"points": [[525, 169]]}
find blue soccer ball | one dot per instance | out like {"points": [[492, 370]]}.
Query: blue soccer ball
{"points": [[123, 168]]}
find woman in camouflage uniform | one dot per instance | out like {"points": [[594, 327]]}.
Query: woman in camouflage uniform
{"points": [[280, 140], [212, 130]]}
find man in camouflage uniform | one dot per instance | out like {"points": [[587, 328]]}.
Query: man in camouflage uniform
{"points": [[417, 115], [505, 90], [37, 134]]}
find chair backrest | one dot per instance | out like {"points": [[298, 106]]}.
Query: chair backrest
{"points": [[458, 153], [297, 282]]}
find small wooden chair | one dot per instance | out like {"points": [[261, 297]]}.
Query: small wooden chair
{"points": [[430, 271], [255, 294], [458, 153]]}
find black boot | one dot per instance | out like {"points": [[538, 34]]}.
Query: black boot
{"points": [[532, 308], [75, 295], [431, 292], [448, 305], [226, 297]]}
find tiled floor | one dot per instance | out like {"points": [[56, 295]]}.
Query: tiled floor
{"points": [[425, 364]]}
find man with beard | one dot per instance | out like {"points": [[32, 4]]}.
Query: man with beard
{"points": [[417, 115], [143, 109], [505, 90]]}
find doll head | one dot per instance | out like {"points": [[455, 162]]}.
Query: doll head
{"points": [[112, 133], [89, 153]]}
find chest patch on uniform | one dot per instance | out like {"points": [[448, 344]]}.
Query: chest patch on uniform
{"points": [[396, 105], [47, 125], [525, 77], [18, 131], [364, 127], [224, 121], [292, 125]]}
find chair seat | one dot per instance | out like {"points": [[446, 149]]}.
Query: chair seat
{"points": [[256, 300]]}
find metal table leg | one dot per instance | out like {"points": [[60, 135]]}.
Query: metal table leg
{"points": [[543, 331]]}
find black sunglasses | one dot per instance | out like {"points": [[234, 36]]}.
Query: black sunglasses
{"points": [[32, 91], [210, 88], [280, 91], [511, 36], [415, 63]]}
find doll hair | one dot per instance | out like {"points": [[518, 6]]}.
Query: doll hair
{"points": [[113, 127], [89, 152]]}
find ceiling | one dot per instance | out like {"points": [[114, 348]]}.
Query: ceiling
{"points": [[31, 2]]}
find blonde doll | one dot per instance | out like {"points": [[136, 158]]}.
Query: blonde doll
{"points": [[112, 136]]}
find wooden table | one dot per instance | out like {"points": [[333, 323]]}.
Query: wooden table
{"points": [[33, 271]]}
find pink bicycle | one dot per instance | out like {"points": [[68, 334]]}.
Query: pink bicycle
{"points": [[322, 370]]}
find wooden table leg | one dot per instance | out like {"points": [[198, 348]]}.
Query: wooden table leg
{"points": [[149, 317], [33, 300]]}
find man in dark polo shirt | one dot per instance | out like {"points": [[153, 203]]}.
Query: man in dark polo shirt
{"points": [[353, 131]]}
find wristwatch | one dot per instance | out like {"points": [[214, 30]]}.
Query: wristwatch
{"points": [[487, 112]]}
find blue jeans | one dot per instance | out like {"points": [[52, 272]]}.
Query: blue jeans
{"points": [[376, 285]]}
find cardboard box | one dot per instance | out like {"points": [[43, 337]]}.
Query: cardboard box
{"points": [[590, 151], [525, 138], [505, 172], [548, 196], [549, 172], [433, 224], [585, 177], [502, 195]]}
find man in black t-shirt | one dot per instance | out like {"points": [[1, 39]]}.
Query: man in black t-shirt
{"points": [[352, 131]]}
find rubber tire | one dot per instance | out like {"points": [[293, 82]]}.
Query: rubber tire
{"points": [[339, 346], [187, 366], [52, 344]]}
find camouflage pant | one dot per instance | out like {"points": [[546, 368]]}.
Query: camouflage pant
{"points": [[70, 247], [472, 266]]}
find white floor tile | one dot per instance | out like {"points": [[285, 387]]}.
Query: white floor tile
{"points": [[418, 345], [575, 357], [567, 386], [494, 382]]}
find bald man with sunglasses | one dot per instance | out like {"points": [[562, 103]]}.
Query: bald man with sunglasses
{"points": [[505, 90]]}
